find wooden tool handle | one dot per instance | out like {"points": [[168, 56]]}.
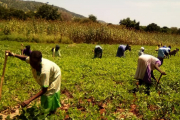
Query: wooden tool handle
{"points": [[2, 77], [158, 81], [159, 78]]}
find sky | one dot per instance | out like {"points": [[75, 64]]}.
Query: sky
{"points": [[161, 12]]}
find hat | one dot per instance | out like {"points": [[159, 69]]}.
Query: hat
{"points": [[142, 48]]}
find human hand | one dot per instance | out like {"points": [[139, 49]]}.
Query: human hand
{"points": [[9, 53], [163, 73], [25, 103]]}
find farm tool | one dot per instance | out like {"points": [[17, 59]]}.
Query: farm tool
{"points": [[158, 81], [2, 77]]}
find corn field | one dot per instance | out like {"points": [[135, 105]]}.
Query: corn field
{"points": [[72, 32]]}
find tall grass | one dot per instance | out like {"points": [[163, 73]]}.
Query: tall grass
{"points": [[71, 32]]}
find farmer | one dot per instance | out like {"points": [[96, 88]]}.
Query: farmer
{"points": [[26, 51], [98, 51], [144, 72], [158, 47], [48, 75], [122, 49], [162, 53], [141, 52], [56, 51]]}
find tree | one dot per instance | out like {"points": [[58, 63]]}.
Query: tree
{"points": [[19, 14], [30, 14], [93, 18], [66, 16], [178, 31], [165, 29], [3, 13], [130, 23], [48, 12], [174, 30], [152, 28]]}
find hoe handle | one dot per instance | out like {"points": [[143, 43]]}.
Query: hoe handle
{"points": [[158, 80], [2, 77]]}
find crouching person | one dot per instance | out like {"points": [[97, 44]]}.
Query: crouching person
{"points": [[144, 72], [141, 52], [56, 51], [162, 53], [27, 51], [98, 51], [48, 75], [122, 49]]}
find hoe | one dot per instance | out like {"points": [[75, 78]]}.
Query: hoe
{"points": [[2, 77]]}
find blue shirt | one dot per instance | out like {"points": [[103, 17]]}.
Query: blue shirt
{"points": [[162, 51], [123, 47]]}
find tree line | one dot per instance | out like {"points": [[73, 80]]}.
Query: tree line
{"points": [[153, 27], [48, 12], [44, 12]]}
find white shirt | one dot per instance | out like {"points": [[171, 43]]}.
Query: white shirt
{"points": [[141, 53], [98, 46], [47, 78]]}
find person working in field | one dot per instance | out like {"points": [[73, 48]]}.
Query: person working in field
{"points": [[27, 51], [145, 67], [122, 49], [162, 53], [141, 52], [56, 51], [48, 75], [98, 51], [158, 47]]}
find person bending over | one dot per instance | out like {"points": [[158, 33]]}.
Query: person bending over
{"points": [[144, 72], [48, 75], [122, 49]]}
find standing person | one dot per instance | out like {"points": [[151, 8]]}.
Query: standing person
{"points": [[56, 51], [27, 51], [122, 49], [98, 51], [48, 75], [145, 67], [158, 47], [162, 53], [141, 52]]}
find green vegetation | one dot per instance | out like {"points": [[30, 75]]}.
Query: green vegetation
{"points": [[76, 32], [93, 88], [152, 27], [23, 10]]}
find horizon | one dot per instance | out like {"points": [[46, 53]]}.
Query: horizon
{"points": [[161, 12]]}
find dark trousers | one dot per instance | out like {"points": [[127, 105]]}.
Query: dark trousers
{"points": [[148, 85]]}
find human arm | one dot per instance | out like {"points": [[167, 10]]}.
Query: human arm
{"points": [[53, 54], [21, 57], [44, 81], [22, 48], [59, 52], [157, 68], [152, 75], [41, 92], [21, 51]]}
